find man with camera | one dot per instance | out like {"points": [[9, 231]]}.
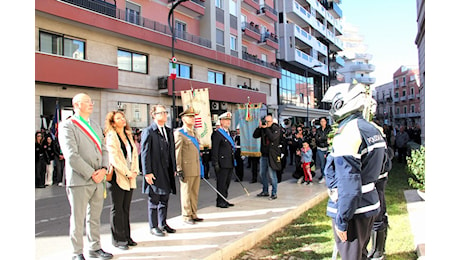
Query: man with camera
{"points": [[270, 162]]}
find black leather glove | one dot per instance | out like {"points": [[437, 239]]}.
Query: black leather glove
{"points": [[216, 168]]}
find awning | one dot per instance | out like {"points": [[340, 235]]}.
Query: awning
{"points": [[295, 111]]}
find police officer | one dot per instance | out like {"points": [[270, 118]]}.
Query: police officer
{"points": [[352, 169], [223, 158]]}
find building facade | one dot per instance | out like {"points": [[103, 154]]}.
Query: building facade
{"points": [[357, 60], [383, 94], [420, 41], [119, 52], [406, 97], [309, 39]]}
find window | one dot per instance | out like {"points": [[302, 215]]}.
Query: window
{"points": [[219, 37], [232, 7], [182, 70], [263, 57], [216, 77], [62, 45], [181, 28], [233, 43], [219, 4], [412, 108], [133, 12], [404, 93], [405, 109], [131, 61]]}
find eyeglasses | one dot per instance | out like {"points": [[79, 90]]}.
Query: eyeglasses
{"points": [[162, 112], [87, 102]]}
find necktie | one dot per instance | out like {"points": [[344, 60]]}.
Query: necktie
{"points": [[163, 132]]}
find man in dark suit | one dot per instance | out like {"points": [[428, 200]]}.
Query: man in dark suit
{"points": [[158, 163], [223, 158]]}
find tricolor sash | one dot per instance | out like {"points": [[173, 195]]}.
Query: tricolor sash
{"points": [[81, 123], [230, 139], [197, 145]]}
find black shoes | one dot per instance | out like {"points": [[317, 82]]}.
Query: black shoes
{"points": [[78, 257], [262, 194], [230, 204], [253, 181], [273, 197], [198, 219], [224, 206], [168, 229], [131, 242], [122, 247], [100, 254], [157, 232]]}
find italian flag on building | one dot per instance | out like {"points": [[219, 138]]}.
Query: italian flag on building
{"points": [[173, 74]]}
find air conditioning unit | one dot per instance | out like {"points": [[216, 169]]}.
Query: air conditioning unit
{"points": [[223, 105], [214, 105], [162, 83]]}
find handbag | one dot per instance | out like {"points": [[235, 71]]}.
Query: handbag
{"points": [[109, 175]]}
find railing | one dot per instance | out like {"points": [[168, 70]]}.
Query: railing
{"points": [[251, 26], [111, 10], [253, 58]]}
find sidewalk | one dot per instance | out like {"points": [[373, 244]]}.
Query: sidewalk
{"points": [[224, 234], [416, 210]]}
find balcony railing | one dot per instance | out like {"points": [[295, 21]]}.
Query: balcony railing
{"points": [[105, 8], [96, 6], [253, 58]]}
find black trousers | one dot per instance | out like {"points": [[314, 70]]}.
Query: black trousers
{"points": [[223, 182], [254, 167], [40, 168], [157, 209], [358, 235], [239, 169], [119, 214], [381, 220]]}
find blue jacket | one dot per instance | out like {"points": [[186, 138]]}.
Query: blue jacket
{"points": [[306, 156], [352, 169]]}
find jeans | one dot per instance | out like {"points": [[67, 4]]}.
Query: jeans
{"points": [[320, 162], [264, 168]]}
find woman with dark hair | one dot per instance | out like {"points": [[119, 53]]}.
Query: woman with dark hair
{"points": [[40, 164], [50, 152], [322, 146], [123, 158]]}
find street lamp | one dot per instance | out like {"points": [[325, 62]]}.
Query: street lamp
{"points": [[173, 39]]}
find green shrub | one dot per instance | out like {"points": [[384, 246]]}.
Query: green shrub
{"points": [[416, 168]]}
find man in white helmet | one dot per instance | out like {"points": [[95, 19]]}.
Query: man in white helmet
{"points": [[352, 169]]}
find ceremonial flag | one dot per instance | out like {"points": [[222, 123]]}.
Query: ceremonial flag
{"points": [[199, 100], [56, 119], [247, 117]]}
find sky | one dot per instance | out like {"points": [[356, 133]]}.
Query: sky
{"points": [[389, 28]]}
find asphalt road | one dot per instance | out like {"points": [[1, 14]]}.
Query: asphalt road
{"points": [[52, 209]]}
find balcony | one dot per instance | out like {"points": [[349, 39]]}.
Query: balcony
{"points": [[96, 6], [362, 67], [253, 58], [193, 8], [269, 42], [267, 13], [68, 71], [365, 79], [334, 9], [251, 5], [305, 38], [301, 59], [218, 92], [251, 32]]}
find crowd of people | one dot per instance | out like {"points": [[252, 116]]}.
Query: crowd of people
{"points": [[116, 154]]}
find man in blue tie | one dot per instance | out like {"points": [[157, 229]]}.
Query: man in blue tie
{"points": [[223, 158]]}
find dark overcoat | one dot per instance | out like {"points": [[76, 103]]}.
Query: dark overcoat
{"points": [[158, 157]]}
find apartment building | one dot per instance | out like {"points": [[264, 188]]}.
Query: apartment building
{"points": [[406, 96], [309, 39], [357, 60], [383, 94], [420, 41], [119, 52]]}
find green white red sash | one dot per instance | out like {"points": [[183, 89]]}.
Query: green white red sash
{"points": [[81, 123]]}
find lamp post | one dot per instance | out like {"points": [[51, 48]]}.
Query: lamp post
{"points": [[171, 22]]}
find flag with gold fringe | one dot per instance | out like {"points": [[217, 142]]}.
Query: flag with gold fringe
{"points": [[247, 118], [199, 100]]}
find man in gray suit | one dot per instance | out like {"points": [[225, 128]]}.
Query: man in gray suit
{"points": [[86, 166]]}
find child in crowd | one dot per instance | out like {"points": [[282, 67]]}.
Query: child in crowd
{"points": [[306, 155]]}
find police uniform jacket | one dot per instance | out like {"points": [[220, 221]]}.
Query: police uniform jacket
{"points": [[352, 169], [158, 157]]}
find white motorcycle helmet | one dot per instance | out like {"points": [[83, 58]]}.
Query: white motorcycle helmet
{"points": [[347, 99]]}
